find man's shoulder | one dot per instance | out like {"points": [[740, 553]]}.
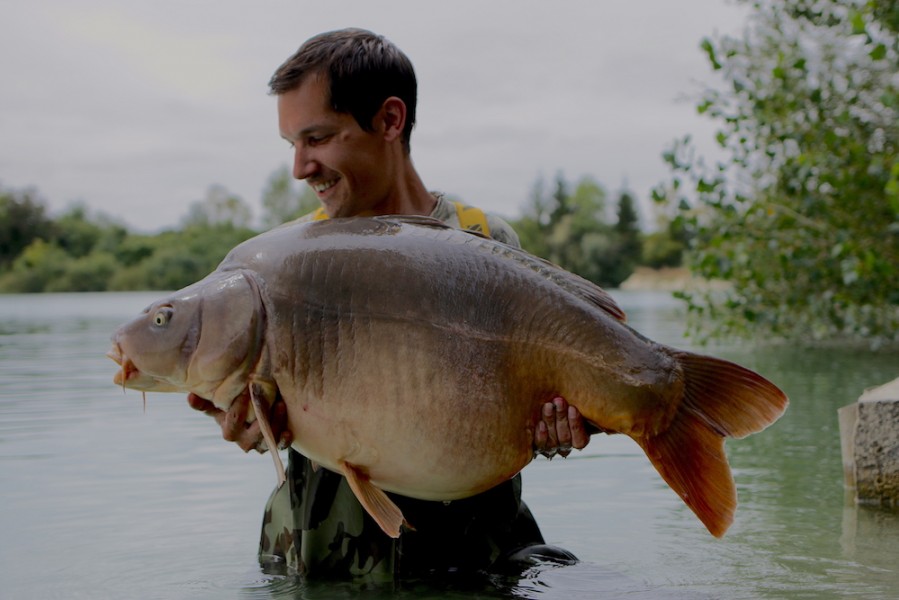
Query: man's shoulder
{"points": [[453, 212]]}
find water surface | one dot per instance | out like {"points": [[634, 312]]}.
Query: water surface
{"points": [[104, 500]]}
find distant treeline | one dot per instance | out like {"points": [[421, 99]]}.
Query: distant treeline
{"points": [[80, 251]]}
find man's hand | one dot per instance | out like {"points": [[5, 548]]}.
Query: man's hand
{"points": [[235, 428], [561, 429]]}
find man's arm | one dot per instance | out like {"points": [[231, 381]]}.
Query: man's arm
{"points": [[561, 429]]}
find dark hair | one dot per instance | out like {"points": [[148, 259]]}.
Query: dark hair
{"points": [[363, 70]]}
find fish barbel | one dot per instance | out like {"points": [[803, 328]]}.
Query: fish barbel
{"points": [[415, 358]]}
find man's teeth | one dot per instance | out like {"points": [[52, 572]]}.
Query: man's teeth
{"points": [[326, 185]]}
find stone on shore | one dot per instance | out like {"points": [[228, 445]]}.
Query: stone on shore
{"points": [[869, 439]]}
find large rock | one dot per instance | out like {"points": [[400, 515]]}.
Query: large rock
{"points": [[869, 438]]}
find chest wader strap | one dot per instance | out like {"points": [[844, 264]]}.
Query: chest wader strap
{"points": [[471, 218]]}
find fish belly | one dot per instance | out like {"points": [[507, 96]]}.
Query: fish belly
{"points": [[435, 426]]}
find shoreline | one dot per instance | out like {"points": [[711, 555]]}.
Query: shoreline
{"points": [[668, 279]]}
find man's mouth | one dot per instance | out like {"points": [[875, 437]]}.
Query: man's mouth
{"points": [[321, 187]]}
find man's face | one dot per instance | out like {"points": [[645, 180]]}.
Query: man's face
{"points": [[345, 165]]}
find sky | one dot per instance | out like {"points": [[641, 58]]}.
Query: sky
{"points": [[136, 108]]}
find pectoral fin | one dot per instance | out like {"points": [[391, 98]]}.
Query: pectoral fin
{"points": [[260, 407], [374, 500]]}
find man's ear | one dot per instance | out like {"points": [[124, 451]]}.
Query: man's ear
{"points": [[392, 117]]}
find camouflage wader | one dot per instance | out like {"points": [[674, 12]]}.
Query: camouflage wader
{"points": [[314, 524]]}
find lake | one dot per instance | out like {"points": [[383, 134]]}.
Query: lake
{"points": [[101, 499]]}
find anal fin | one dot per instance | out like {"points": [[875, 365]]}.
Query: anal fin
{"points": [[375, 501]]}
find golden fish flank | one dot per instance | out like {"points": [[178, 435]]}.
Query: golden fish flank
{"points": [[355, 320]]}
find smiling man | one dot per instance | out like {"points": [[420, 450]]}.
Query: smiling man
{"points": [[352, 170], [346, 105]]}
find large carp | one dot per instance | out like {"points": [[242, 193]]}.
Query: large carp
{"points": [[415, 358]]}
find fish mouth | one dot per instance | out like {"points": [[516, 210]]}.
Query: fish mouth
{"points": [[127, 367], [131, 377]]}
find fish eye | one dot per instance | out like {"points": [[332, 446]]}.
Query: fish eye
{"points": [[163, 316]]}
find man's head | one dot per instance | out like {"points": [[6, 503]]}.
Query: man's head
{"points": [[362, 70]]}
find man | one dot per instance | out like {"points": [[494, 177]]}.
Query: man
{"points": [[346, 105]]}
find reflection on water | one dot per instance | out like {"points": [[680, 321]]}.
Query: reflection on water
{"points": [[103, 500]]}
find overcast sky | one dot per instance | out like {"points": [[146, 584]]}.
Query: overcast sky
{"points": [[136, 108]]}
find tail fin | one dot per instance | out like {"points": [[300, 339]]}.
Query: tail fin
{"points": [[721, 399]]}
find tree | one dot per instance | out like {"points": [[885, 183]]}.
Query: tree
{"points": [[36, 268], [79, 233], [219, 207], [22, 220], [628, 242], [802, 217], [571, 230], [282, 201]]}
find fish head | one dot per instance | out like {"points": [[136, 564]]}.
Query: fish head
{"points": [[205, 339]]}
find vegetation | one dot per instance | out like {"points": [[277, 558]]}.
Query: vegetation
{"points": [[77, 251], [282, 202], [575, 231], [801, 217]]}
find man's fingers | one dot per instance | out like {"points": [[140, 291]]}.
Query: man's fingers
{"points": [[540, 438], [233, 425], [233, 422], [250, 438], [200, 404], [563, 429], [579, 436], [278, 421], [549, 417]]}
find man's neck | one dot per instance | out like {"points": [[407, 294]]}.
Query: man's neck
{"points": [[408, 197]]}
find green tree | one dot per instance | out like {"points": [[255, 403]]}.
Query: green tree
{"points": [[90, 273], [219, 207], [79, 233], [533, 225], [571, 230], [22, 219], [36, 268], [628, 240], [283, 199], [802, 217], [178, 258]]}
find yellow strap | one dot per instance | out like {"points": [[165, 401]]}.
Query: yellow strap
{"points": [[320, 214], [471, 218]]}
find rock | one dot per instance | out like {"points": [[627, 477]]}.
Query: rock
{"points": [[869, 440]]}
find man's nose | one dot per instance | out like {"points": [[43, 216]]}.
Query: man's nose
{"points": [[304, 165]]}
